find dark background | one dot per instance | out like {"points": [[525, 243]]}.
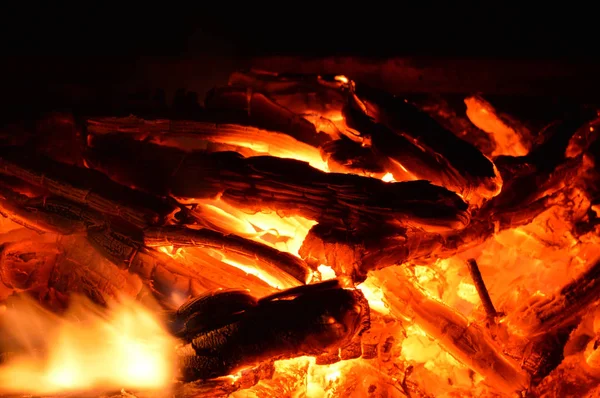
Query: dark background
{"points": [[68, 55], [489, 29]]}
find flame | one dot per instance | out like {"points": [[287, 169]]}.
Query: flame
{"points": [[326, 272], [388, 177], [86, 349]]}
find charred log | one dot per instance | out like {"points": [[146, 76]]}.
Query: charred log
{"points": [[545, 315], [279, 264], [282, 185], [274, 329], [254, 109], [408, 136], [450, 113], [85, 186]]}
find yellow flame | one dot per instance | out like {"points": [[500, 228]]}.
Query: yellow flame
{"points": [[326, 272], [86, 349], [388, 177]]}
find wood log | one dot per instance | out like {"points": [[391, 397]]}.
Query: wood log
{"points": [[51, 268], [278, 265], [281, 185], [544, 315], [85, 186], [416, 144], [450, 112], [245, 107], [465, 341]]}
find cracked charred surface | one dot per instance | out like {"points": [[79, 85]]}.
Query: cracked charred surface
{"points": [[309, 320]]}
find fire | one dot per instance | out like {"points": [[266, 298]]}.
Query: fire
{"points": [[86, 349], [281, 232], [431, 333], [507, 140]]}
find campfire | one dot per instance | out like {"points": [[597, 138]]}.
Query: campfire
{"points": [[305, 236]]}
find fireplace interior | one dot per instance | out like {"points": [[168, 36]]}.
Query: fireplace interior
{"points": [[253, 225]]}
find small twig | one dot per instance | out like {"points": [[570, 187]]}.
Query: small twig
{"points": [[407, 372], [484, 296]]}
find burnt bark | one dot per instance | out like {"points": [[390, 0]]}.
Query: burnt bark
{"points": [[283, 185]]}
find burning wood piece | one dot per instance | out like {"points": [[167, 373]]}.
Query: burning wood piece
{"points": [[319, 99], [418, 146], [52, 268], [278, 264], [464, 340], [482, 290], [545, 169], [283, 185], [306, 321], [126, 245], [85, 186], [191, 135], [346, 156], [243, 106], [544, 315], [355, 254], [450, 113], [510, 137], [340, 155]]}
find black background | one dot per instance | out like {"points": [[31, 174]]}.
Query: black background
{"points": [[492, 29]]}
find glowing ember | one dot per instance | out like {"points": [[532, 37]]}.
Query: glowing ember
{"points": [[507, 140]]}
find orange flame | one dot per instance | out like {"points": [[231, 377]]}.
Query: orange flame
{"points": [[87, 349]]}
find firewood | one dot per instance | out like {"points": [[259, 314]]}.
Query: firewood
{"points": [[355, 254], [124, 246], [465, 341], [544, 315], [408, 136], [282, 185], [254, 109], [84, 186], [510, 136], [319, 99], [52, 268], [450, 113], [347, 156], [275, 263]]}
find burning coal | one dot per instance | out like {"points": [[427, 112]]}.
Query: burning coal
{"points": [[302, 236]]}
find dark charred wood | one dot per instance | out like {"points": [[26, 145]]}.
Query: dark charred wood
{"points": [[85, 186], [280, 328], [254, 109], [544, 170], [302, 94], [416, 145], [530, 115], [345, 155], [283, 185], [450, 113], [484, 295]]}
